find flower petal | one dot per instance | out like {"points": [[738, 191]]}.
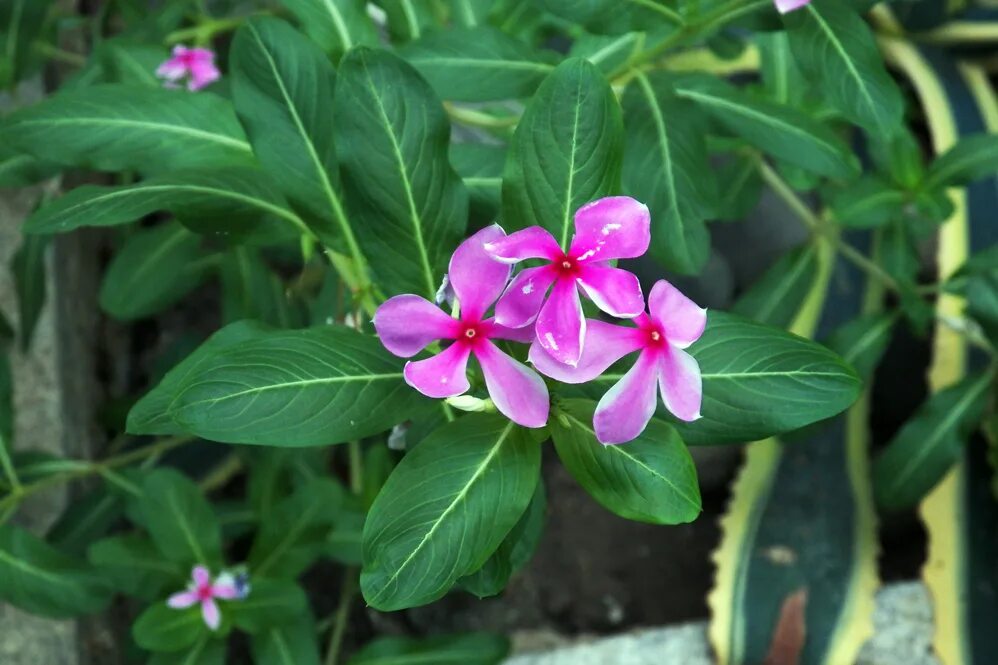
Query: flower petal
{"points": [[682, 320], [531, 243], [518, 391], [203, 74], [785, 6], [522, 300], [615, 291], [561, 327], [406, 324], [179, 601], [173, 69], [524, 335], [225, 590], [209, 611], [681, 385], [624, 411], [201, 576], [478, 280], [616, 227], [443, 375], [605, 344]]}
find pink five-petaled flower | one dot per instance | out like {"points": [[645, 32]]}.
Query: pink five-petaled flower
{"points": [[785, 6], [673, 324], [611, 228], [195, 64], [406, 324], [203, 590]]}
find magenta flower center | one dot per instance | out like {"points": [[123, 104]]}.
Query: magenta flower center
{"points": [[204, 592], [473, 332], [567, 266], [655, 335]]}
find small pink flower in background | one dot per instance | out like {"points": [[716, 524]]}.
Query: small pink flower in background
{"points": [[616, 227], [203, 590], [408, 323], [197, 65], [673, 324], [784, 6]]}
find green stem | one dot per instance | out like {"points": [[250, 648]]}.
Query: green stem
{"points": [[669, 14], [356, 467], [347, 593], [52, 53], [205, 31], [474, 118], [91, 468], [8, 467]]}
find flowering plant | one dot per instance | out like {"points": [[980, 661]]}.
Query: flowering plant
{"points": [[374, 261]]}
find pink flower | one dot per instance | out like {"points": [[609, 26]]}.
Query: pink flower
{"points": [[202, 590], [784, 6], [611, 228], [409, 323], [196, 64], [673, 324]]}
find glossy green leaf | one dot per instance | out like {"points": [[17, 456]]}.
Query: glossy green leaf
{"points": [[291, 644], [21, 23], [608, 53], [118, 127], [282, 87], [335, 25], [133, 565], [742, 187], [868, 203], [982, 302], [464, 649], [37, 578], [269, 603], [179, 519], [123, 61], [477, 64], [238, 202], [21, 169], [516, 550], [153, 270], [566, 151], [651, 479], [836, 50], [776, 129], [28, 266], [615, 16], [409, 206], [781, 77], [929, 444], [468, 482], [162, 628], [207, 650], [863, 341], [407, 19], [86, 519], [295, 530], [665, 166], [776, 297], [295, 388], [150, 415], [972, 158]]}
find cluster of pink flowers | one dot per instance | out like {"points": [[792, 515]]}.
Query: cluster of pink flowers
{"points": [[542, 306], [196, 65], [202, 590]]}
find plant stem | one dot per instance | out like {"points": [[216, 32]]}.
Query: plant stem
{"points": [[59, 55], [356, 467], [347, 593], [8, 467], [203, 32], [821, 230], [467, 116]]}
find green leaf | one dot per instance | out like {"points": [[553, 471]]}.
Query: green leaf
{"points": [[463, 649], [477, 64], [665, 166], [468, 482], [836, 50], [133, 565], [118, 127], [776, 297], [651, 479], [86, 519], [335, 25], [240, 203], [207, 650], [179, 519], [269, 603], [409, 206], [133, 63], [150, 415], [162, 628], [282, 86], [154, 269], [19, 169], [291, 644], [982, 303], [345, 543], [295, 388], [868, 203], [566, 150], [776, 129], [251, 290], [742, 187], [743, 365], [608, 53], [863, 341], [480, 166], [295, 530], [928, 445], [37, 578], [28, 266], [614, 16], [972, 158], [513, 554], [21, 23]]}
